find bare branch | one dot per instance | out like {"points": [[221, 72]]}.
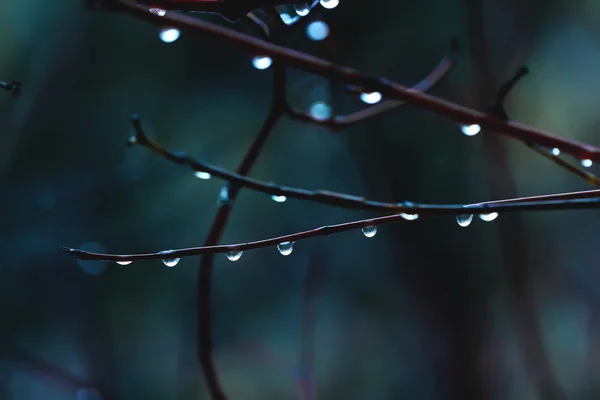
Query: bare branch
{"points": [[340, 122], [387, 88], [564, 201]]}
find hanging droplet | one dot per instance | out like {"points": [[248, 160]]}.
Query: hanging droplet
{"points": [[371, 98], [302, 9], [126, 262], [169, 262], [285, 248], [260, 62], [488, 217], [278, 199], [169, 35], [470, 130], [329, 4], [234, 255], [288, 19], [317, 30], [464, 220], [157, 11], [369, 230], [320, 111], [409, 217], [586, 163], [202, 175], [556, 151]]}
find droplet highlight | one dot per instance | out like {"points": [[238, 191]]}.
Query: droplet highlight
{"points": [[234, 255], [126, 262], [409, 217], [278, 199], [202, 175], [169, 35], [464, 220], [302, 9], [369, 230], [470, 130], [488, 217], [556, 151], [371, 98], [586, 163], [329, 4], [285, 248], [170, 261]]}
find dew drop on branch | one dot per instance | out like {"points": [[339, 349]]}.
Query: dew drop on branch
{"points": [[169, 35], [234, 255], [470, 130], [586, 163], [371, 98], [488, 217], [317, 30], [202, 175], [278, 199], [464, 220], [223, 196], [158, 11], [556, 151], [302, 9], [262, 62], [330, 4], [409, 217], [320, 111], [369, 230], [169, 262], [285, 248], [125, 262]]}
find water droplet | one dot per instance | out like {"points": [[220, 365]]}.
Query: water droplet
{"points": [[169, 35], [285, 248], [288, 19], [169, 262], [317, 30], [556, 151], [371, 98], [261, 63], [234, 255], [223, 195], [586, 163], [329, 4], [278, 199], [464, 220], [202, 175], [302, 9], [320, 111], [369, 230], [409, 217], [126, 262], [157, 11], [488, 217], [470, 130]]}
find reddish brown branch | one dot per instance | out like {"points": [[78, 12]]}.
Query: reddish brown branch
{"points": [[340, 122], [565, 201], [205, 334], [387, 88]]}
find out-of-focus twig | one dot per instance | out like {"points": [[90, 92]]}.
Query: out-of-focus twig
{"points": [[14, 87]]}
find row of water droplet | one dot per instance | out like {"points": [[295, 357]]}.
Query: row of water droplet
{"points": [[286, 248]]}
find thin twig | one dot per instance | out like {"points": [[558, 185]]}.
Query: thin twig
{"points": [[340, 122], [387, 88], [552, 155], [565, 201]]}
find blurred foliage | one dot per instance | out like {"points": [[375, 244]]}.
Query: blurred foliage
{"points": [[420, 311]]}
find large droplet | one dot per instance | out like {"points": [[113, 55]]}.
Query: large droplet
{"points": [[470, 130], [317, 30], [464, 220], [302, 9], [488, 217], [329, 4], [278, 199], [171, 261], [586, 163], [285, 248], [125, 262], [234, 255], [169, 35], [369, 230], [409, 217], [202, 175], [556, 151]]}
